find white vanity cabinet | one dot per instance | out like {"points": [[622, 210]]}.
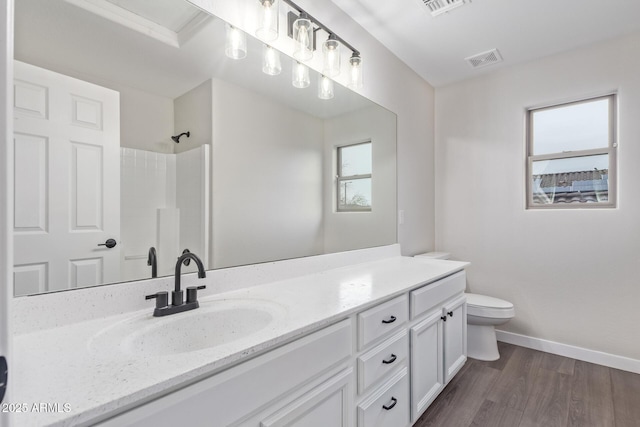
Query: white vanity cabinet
{"points": [[438, 338], [261, 386], [382, 365]]}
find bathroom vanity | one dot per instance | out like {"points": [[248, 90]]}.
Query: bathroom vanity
{"points": [[368, 343]]}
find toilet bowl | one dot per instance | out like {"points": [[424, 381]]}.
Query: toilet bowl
{"points": [[483, 315]]}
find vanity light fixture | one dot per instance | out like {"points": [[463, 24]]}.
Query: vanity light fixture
{"points": [[302, 27], [325, 88], [236, 43], [271, 64], [267, 20], [300, 75], [303, 36], [331, 53], [355, 72]]}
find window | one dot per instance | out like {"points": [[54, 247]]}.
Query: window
{"points": [[354, 177], [571, 155]]}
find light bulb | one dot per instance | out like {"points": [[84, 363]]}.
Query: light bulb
{"points": [[271, 61], [267, 20], [300, 75], [236, 43], [355, 72], [325, 88], [331, 53], [303, 38]]}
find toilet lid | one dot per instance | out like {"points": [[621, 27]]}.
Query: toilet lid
{"points": [[485, 301]]}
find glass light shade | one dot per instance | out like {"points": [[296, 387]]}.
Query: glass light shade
{"points": [[300, 75], [303, 38], [325, 88], [235, 46], [267, 20], [355, 72], [271, 64], [331, 53]]}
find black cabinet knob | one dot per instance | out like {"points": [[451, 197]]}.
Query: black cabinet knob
{"points": [[110, 243], [450, 313], [444, 318]]}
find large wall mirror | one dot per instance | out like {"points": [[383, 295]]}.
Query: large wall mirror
{"points": [[137, 138]]}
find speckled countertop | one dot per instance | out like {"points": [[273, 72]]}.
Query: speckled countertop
{"points": [[94, 369]]}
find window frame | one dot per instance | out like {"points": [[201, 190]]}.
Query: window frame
{"points": [[340, 178], [610, 150]]}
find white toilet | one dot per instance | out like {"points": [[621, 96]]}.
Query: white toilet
{"points": [[483, 315]]}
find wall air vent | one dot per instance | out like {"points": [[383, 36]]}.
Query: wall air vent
{"points": [[438, 7], [485, 58]]}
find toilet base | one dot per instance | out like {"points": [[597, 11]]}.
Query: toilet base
{"points": [[482, 343]]}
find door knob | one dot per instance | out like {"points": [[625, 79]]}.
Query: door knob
{"points": [[110, 243]]}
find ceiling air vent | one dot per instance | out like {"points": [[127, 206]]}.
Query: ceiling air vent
{"points": [[485, 58], [437, 7]]}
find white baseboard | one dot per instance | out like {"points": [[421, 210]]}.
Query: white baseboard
{"points": [[579, 353]]}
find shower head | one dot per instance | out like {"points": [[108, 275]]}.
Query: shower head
{"points": [[176, 138]]}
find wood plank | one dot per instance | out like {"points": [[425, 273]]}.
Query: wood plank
{"points": [[591, 402], [517, 379], [626, 398], [492, 414], [548, 403], [559, 364], [460, 400], [505, 350]]}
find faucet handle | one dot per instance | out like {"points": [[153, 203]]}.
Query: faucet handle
{"points": [[162, 299], [192, 293]]}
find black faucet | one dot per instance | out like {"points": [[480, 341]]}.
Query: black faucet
{"points": [[178, 304], [152, 260]]}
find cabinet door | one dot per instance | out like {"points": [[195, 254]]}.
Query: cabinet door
{"points": [[426, 363], [326, 405], [455, 337]]}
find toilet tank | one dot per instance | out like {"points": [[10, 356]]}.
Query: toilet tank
{"points": [[435, 255]]}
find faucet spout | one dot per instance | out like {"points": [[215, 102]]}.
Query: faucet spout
{"points": [[152, 260], [177, 298]]}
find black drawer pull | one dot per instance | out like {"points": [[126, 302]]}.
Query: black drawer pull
{"points": [[390, 320], [390, 360], [391, 405], [450, 313], [443, 318]]}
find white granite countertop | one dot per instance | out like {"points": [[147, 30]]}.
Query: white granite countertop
{"points": [[77, 364]]}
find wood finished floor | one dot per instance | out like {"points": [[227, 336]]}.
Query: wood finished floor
{"points": [[529, 388]]}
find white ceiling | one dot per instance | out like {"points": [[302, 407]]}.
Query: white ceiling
{"points": [[435, 47]]}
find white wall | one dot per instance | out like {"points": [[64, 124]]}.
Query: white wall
{"points": [[571, 274], [192, 112], [354, 230], [390, 83], [267, 203], [146, 120]]}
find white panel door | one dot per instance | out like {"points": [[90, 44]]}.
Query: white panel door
{"points": [[66, 180], [426, 363], [455, 337]]}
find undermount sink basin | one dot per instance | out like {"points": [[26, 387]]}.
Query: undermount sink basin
{"points": [[215, 323]]}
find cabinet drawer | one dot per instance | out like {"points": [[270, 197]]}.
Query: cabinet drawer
{"points": [[239, 391], [429, 296], [382, 360], [389, 407], [381, 320]]}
